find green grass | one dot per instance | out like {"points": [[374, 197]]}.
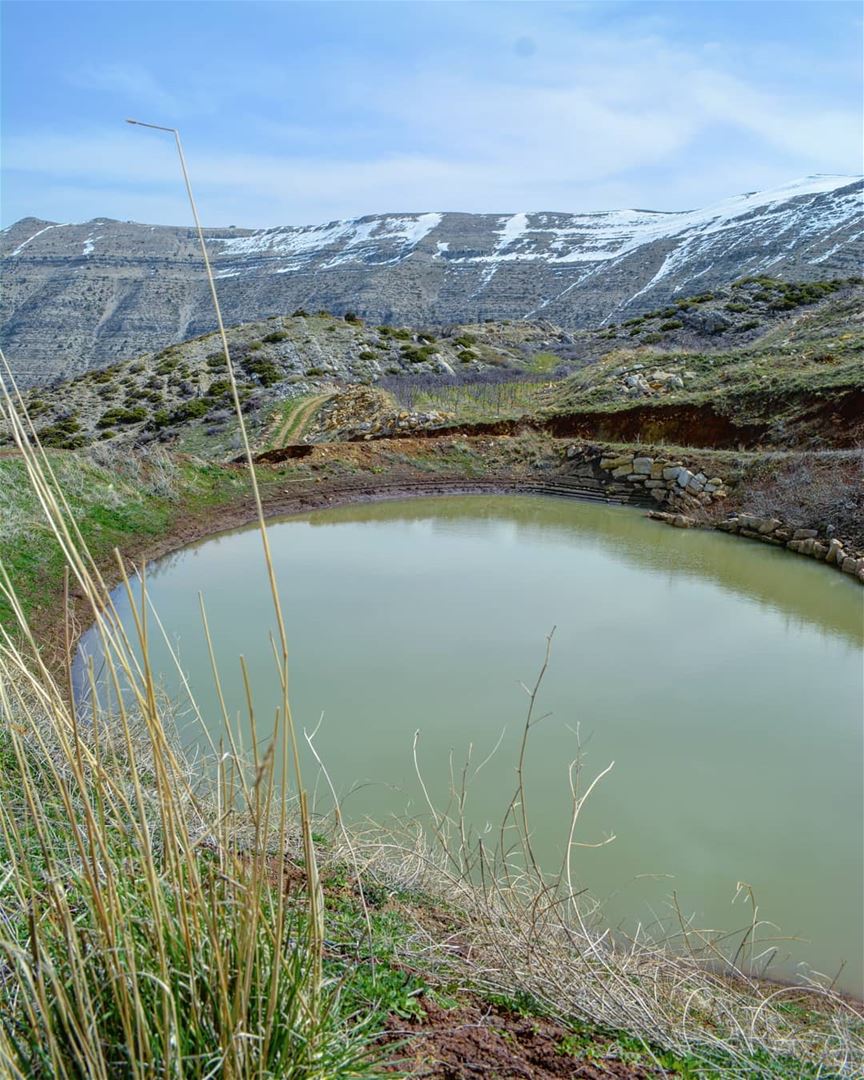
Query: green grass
{"points": [[541, 363], [111, 510]]}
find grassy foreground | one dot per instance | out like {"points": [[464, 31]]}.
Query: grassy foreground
{"points": [[160, 917]]}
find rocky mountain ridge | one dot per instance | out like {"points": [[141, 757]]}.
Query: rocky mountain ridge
{"points": [[78, 296]]}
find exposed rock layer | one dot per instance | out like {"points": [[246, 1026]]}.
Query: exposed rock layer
{"points": [[81, 295]]}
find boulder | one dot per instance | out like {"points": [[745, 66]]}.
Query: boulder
{"points": [[767, 526], [850, 565], [643, 465], [835, 552], [610, 463], [805, 534], [684, 477], [670, 472]]}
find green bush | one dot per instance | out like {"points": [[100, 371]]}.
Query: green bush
{"points": [[671, 324], [351, 317], [63, 434], [191, 410], [465, 340], [366, 354], [314, 372], [652, 339], [265, 371], [735, 306], [300, 313], [277, 335], [122, 416]]}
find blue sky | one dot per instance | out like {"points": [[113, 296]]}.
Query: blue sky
{"points": [[297, 113]]}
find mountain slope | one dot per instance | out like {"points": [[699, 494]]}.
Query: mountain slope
{"points": [[80, 295]]}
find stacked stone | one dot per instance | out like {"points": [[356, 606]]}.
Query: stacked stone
{"points": [[803, 541], [665, 481]]}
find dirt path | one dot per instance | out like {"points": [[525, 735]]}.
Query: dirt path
{"points": [[297, 422]]}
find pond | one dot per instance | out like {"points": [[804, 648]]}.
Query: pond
{"points": [[723, 678]]}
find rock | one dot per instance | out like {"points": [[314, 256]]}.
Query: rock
{"points": [[657, 470], [850, 565], [768, 525], [572, 451], [622, 471], [716, 481], [805, 534], [643, 465], [794, 545], [655, 484], [835, 552], [807, 546], [670, 472], [684, 477], [636, 478], [730, 525], [706, 322], [659, 495], [682, 522], [695, 485], [610, 463], [819, 551]]}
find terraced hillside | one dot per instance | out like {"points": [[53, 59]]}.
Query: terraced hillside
{"points": [[762, 362]]}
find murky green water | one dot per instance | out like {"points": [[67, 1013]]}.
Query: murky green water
{"points": [[723, 678]]}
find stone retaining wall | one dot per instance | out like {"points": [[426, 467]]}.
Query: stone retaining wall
{"points": [[829, 550], [682, 492], [667, 481]]}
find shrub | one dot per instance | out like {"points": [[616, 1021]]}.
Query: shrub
{"points": [[277, 335], [265, 371], [63, 434], [191, 410], [300, 313], [465, 340], [314, 372], [122, 416], [671, 324], [351, 317], [366, 354], [652, 339], [735, 306]]}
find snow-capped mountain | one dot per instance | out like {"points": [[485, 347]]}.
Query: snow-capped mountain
{"points": [[82, 294]]}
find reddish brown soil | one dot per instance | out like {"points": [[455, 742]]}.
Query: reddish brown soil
{"points": [[480, 1040]]}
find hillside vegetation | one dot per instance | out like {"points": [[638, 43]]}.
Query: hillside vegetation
{"points": [[757, 350]]}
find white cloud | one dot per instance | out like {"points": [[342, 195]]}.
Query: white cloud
{"points": [[585, 122]]}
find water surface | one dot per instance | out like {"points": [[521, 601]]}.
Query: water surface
{"points": [[723, 678]]}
